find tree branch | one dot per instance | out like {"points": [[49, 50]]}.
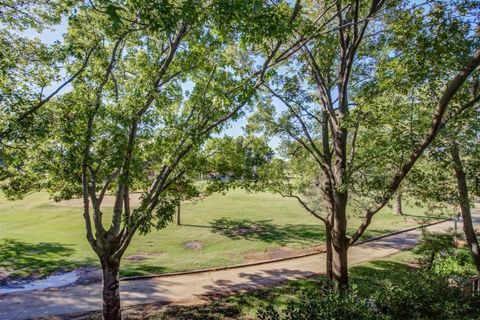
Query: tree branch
{"points": [[435, 126]]}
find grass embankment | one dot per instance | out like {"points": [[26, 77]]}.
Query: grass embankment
{"points": [[39, 236]]}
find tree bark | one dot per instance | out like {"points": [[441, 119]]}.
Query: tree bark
{"points": [[397, 204], [340, 244], [111, 290], [464, 201], [328, 244], [177, 216]]}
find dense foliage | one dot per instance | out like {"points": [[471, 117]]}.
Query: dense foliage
{"points": [[132, 94]]}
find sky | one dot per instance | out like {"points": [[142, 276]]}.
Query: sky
{"points": [[49, 36]]}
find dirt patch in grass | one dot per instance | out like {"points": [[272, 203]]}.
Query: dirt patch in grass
{"points": [[280, 253], [108, 201], [240, 231], [139, 256], [193, 245], [136, 257]]}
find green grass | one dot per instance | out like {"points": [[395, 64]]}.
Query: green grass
{"points": [[39, 236]]}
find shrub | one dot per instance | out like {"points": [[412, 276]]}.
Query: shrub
{"points": [[459, 264], [434, 245], [317, 304], [425, 295]]}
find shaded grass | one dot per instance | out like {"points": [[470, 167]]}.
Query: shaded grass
{"points": [[282, 223], [39, 259]]}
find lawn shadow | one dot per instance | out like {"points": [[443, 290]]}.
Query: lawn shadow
{"points": [[266, 231], [21, 259], [371, 276]]}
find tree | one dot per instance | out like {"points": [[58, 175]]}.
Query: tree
{"points": [[236, 158], [32, 72], [451, 176], [161, 78], [343, 116], [397, 205]]}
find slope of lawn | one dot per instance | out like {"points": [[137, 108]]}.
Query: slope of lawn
{"points": [[39, 236]]}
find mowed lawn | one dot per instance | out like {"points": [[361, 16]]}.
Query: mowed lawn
{"points": [[39, 236]]}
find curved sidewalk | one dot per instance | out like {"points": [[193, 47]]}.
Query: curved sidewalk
{"points": [[199, 287]]}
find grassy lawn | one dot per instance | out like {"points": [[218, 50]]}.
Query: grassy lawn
{"points": [[40, 236]]}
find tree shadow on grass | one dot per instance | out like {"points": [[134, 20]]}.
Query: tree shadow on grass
{"points": [[371, 276], [21, 259], [266, 231]]}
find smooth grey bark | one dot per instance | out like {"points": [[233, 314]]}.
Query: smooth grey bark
{"points": [[464, 202]]}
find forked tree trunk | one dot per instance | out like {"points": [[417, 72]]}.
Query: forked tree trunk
{"points": [[111, 290], [464, 200], [397, 204]]}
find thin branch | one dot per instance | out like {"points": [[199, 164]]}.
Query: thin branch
{"points": [[42, 102], [304, 205]]}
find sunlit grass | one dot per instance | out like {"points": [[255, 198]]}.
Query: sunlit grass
{"points": [[38, 223]]}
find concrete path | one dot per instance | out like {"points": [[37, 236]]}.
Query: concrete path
{"points": [[195, 288]]}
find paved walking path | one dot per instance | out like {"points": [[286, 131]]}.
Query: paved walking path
{"points": [[195, 288]]}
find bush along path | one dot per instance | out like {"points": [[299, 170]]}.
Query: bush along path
{"points": [[197, 288]]}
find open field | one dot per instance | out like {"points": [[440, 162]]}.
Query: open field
{"points": [[39, 236]]}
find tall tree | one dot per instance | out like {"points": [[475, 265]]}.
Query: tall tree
{"points": [[336, 104], [161, 77]]}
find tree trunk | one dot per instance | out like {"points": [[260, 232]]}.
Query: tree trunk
{"points": [[464, 200], [178, 222], [340, 244], [328, 244], [397, 204], [111, 290]]}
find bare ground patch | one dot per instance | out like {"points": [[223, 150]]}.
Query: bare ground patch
{"points": [[193, 245], [108, 201], [139, 256]]}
